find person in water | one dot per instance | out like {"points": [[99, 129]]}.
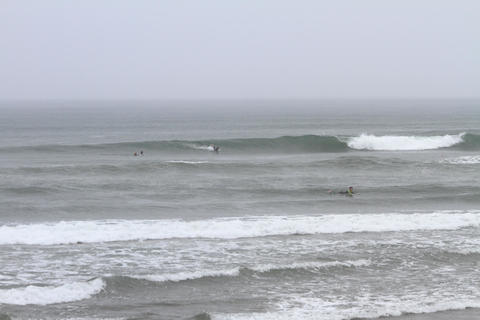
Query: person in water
{"points": [[348, 192], [214, 147]]}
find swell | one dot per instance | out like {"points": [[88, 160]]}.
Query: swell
{"points": [[268, 194], [470, 142], [71, 232], [29, 190], [155, 165], [285, 144], [200, 316], [108, 169]]}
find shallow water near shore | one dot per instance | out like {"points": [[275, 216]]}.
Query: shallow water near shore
{"points": [[258, 230]]}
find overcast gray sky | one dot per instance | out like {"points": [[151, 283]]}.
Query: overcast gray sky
{"points": [[245, 49]]}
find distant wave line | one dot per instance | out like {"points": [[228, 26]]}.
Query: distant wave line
{"points": [[284, 144]]}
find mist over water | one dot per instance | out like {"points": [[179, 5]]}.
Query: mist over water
{"points": [[258, 230], [147, 200]]}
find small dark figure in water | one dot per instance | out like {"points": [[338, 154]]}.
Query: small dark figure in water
{"points": [[349, 192], [141, 152], [215, 148]]}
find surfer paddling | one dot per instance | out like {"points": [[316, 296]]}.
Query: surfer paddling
{"points": [[349, 192]]}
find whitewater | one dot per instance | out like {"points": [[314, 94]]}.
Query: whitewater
{"points": [[261, 229], [39, 295], [66, 232], [405, 143]]}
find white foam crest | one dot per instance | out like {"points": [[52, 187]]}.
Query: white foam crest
{"points": [[311, 265], [392, 143], [463, 160], [232, 272], [230, 228], [186, 161], [465, 251], [318, 309], [194, 146], [181, 276], [74, 291], [90, 318]]}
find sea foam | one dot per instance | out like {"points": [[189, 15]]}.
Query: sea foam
{"points": [[261, 268], [182, 276], [186, 161], [392, 143], [463, 160], [199, 147], [361, 308], [48, 295], [66, 232]]}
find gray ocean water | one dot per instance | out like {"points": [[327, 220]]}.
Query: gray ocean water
{"points": [[257, 230]]}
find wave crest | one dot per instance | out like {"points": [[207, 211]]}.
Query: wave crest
{"points": [[182, 276], [405, 143], [363, 308], [278, 145], [262, 268], [315, 265], [48, 295], [66, 232]]}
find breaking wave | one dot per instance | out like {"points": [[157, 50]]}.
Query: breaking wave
{"points": [[285, 144], [68, 232], [262, 268], [186, 162], [315, 265], [393, 143], [182, 276], [48, 294], [318, 309]]}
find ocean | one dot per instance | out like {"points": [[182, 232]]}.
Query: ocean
{"points": [[258, 230]]}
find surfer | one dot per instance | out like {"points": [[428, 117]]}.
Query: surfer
{"points": [[214, 148], [349, 192]]}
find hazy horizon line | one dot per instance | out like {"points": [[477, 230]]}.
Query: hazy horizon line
{"points": [[240, 99]]}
